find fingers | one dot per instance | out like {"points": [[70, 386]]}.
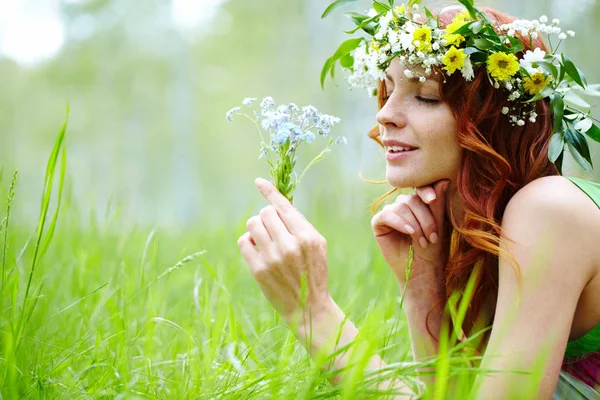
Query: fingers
{"points": [[417, 214], [427, 207], [404, 211], [251, 255], [258, 232], [290, 216], [438, 206], [274, 225], [388, 220]]}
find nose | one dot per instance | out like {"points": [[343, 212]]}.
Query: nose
{"points": [[391, 114]]}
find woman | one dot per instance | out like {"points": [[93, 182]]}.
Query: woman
{"points": [[487, 201]]}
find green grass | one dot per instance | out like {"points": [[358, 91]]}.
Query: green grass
{"points": [[97, 308]]}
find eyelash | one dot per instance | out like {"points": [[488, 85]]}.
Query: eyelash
{"points": [[421, 99]]}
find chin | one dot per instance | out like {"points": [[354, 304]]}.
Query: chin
{"points": [[401, 181]]}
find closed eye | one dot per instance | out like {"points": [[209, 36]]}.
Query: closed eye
{"points": [[427, 100]]}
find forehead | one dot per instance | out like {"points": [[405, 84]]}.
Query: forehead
{"points": [[396, 69]]}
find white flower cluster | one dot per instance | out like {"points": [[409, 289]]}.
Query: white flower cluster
{"points": [[370, 62], [534, 27]]}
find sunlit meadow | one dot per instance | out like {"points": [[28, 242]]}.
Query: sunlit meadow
{"points": [[120, 273]]}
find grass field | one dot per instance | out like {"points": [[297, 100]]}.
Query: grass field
{"points": [[94, 309]]}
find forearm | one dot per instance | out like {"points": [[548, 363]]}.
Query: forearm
{"points": [[424, 308], [330, 332]]}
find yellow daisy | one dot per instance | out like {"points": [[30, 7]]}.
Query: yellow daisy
{"points": [[536, 82], [502, 65], [423, 36], [454, 59], [453, 39]]}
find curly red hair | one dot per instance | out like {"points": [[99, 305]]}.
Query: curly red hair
{"points": [[498, 160]]}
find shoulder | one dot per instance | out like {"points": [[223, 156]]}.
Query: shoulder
{"points": [[554, 208], [554, 197]]}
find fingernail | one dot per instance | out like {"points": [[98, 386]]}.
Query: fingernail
{"points": [[430, 197], [433, 238], [423, 242], [409, 229], [260, 182]]}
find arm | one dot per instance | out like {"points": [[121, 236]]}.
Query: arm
{"points": [[328, 331], [422, 297], [410, 220], [283, 250], [535, 310]]}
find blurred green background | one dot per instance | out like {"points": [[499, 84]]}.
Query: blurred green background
{"points": [[156, 173], [149, 84]]}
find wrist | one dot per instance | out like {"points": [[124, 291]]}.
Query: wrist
{"points": [[317, 319]]}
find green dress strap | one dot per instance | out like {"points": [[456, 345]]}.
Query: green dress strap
{"points": [[591, 341], [592, 189]]}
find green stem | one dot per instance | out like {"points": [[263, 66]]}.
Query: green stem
{"points": [[257, 128], [317, 158]]}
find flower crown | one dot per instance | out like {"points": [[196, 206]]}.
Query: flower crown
{"points": [[470, 41]]}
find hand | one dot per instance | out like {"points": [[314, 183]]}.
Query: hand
{"points": [[287, 248], [415, 220]]}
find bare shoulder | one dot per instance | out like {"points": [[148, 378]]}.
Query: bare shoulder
{"points": [[555, 194], [558, 204]]}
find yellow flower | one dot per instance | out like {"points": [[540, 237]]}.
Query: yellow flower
{"points": [[502, 65], [453, 39], [423, 36], [536, 82], [374, 44], [454, 59], [401, 9]]}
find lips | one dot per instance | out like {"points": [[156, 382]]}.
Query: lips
{"points": [[391, 156], [397, 143]]}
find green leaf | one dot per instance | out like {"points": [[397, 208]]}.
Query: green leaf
{"points": [[346, 47], [380, 7], [466, 29], [579, 159], [559, 162], [562, 73], [578, 141], [594, 133], [367, 25], [391, 2], [550, 68], [476, 27], [335, 5], [470, 6], [545, 92], [325, 70], [558, 108], [428, 13], [483, 44], [356, 17], [347, 61], [471, 50], [557, 146], [572, 71], [515, 45], [572, 99]]}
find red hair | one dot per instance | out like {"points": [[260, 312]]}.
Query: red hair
{"points": [[498, 159]]}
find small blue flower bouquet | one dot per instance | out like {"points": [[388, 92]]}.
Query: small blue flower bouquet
{"points": [[286, 127]]}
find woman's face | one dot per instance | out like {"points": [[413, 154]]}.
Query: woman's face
{"points": [[415, 115]]}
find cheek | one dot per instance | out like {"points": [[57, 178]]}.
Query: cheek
{"points": [[443, 141]]}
